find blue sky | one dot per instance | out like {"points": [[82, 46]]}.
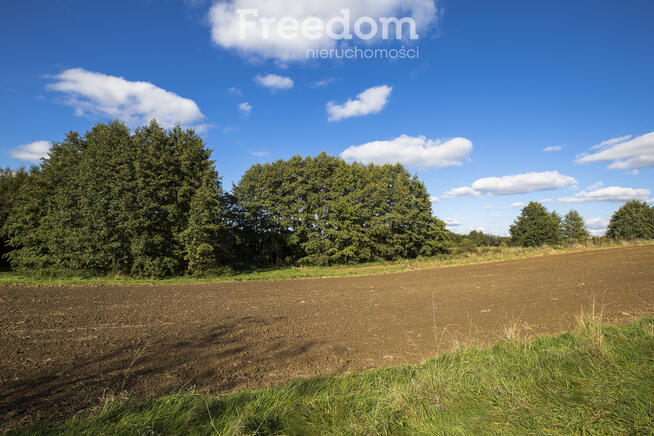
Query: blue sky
{"points": [[496, 84]]}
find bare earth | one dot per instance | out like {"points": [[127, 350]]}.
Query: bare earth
{"points": [[63, 348]]}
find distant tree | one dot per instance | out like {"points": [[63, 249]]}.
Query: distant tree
{"points": [[634, 220], [573, 228], [481, 239], [536, 226], [477, 238]]}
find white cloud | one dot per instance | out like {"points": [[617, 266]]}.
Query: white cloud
{"points": [[554, 148], [517, 184], [452, 222], [324, 82], [463, 191], [610, 142], [517, 205], [624, 153], [135, 103], [413, 151], [32, 152], [597, 223], [433, 199], [245, 108], [546, 200], [611, 193], [235, 91], [370, 101], [261, 41], [597, 226], [274, 82]]}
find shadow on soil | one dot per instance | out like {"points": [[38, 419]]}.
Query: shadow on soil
{"points": [[143, 370]]}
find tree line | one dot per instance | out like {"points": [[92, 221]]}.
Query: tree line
{"points": [[537, 226], [150, 202]]}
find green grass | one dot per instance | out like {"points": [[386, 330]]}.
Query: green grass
{"points": [[597, 380], [485, 254]]}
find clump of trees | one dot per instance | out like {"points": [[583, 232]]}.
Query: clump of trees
{"points": [[634, 220], [536, 226], [322, 210], [150, 203], [477, 239], [141, 203]]}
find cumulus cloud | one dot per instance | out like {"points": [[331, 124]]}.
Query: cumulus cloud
{"points": [[32, 152], [517, 184], [274, 82], [370, 101], [611, 193], [114, 97], [553, 148], [413, 151], [433, 199], [517, 205], [245, 108], [624, 153], [259, 40]]}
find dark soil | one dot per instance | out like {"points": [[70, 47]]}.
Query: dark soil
{"points": [[63, 349]]}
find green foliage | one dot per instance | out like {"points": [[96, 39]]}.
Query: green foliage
{"points": [[205, 234], [536, 226], [113, 201], [634, 220], [323, 211], [477, 238], [573, 228], [597, 380], [10, 183], [149, 203]]}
